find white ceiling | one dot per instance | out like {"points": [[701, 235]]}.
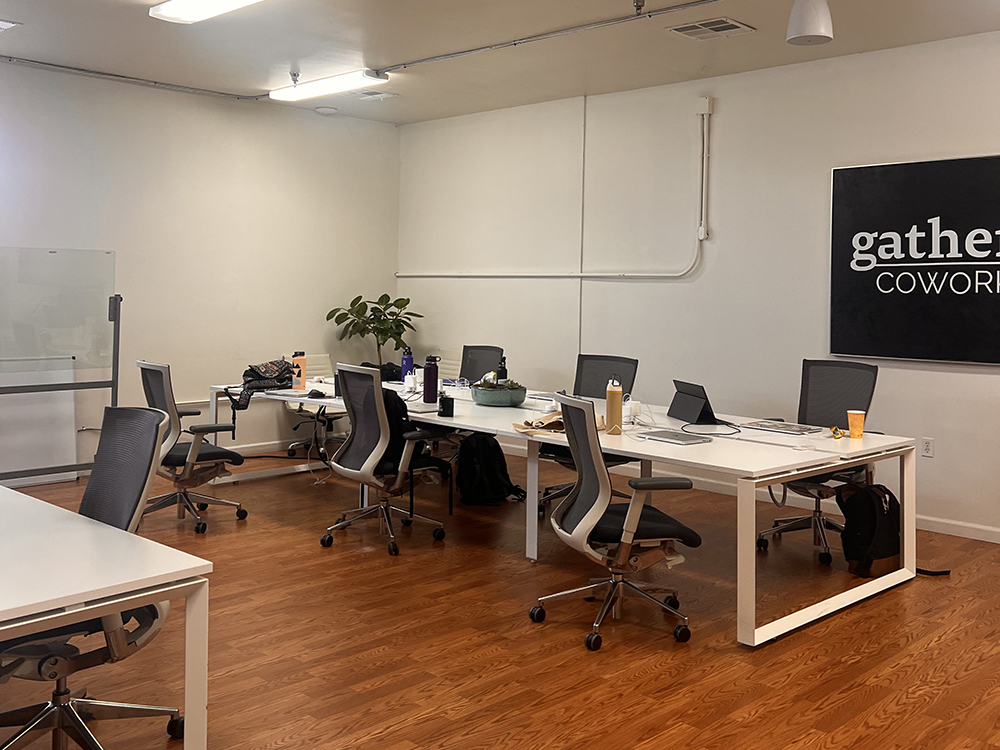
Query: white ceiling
{"points": [[252, 50]]}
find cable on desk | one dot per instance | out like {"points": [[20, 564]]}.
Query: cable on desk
{"points": [[736, 429]]}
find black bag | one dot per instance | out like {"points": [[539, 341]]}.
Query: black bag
{"points": [[871, 529], [482, 472], [390, 371], [267, 376], [399, 424]]}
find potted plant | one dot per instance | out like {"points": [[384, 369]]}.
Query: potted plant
{"points": [[491, 391], [385, 319]]}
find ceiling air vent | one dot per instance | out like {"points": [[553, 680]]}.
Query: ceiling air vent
{"points": [[714, 28], [371, 95]]}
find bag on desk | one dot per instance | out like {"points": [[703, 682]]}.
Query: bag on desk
{"points": [[482, 472], [871, 529], [267, 376]]}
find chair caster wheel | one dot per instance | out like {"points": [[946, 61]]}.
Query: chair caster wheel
{"points": [[407, 522], [241, 514], [590, 598], [202, 506], [592, 641], [682, 634], [326, 541], [438, 534], [393, 549], [537, 614], [291, 453], [673, 602], [825, 558], [200, 528], [762, 545], [175, 728]]}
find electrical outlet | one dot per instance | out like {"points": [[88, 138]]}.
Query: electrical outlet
{"points": [[927, 447]]}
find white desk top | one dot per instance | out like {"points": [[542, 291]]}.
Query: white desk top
{"points": [[751, 453], [52, 558]]}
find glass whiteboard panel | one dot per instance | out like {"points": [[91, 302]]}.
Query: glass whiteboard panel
{"points": [[54, 309]]}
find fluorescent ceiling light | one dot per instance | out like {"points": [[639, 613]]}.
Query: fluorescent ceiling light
{"points": [[4, 25], [192, 11], [356, 79], [810, 23]]}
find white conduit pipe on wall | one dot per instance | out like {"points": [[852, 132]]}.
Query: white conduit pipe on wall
{"points": [[703, 234]]}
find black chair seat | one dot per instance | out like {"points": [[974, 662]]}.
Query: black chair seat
{"points": [[653, 524], [207, 453], [562, 456], [87, 627]]}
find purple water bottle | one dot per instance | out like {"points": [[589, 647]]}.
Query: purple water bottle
{"points": [[431, 379]]}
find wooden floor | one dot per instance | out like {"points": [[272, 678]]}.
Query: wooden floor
{"points": [[347, 647]]}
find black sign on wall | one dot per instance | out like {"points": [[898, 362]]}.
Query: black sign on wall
{"points": [[916, 261]]}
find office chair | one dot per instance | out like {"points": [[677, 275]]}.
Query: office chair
{"points": [[829, 389], [624, 537], [479, 360], [189, 464], [124, 467], [317, 419], [593, 371], [367, 456]]}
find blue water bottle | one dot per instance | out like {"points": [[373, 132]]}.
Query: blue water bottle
{"points": [[407, 364]]}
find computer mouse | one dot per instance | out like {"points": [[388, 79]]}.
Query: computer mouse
{"points": [[315, 393]]}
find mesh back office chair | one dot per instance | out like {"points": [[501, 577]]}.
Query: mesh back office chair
{"points": [[624, 537], [318, 419], [593, 371], [124, 467], [190, 464], [829, 389], [367, 455], [479, 360]]}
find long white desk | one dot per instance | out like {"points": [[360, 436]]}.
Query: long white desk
{"points": [[755, 459], [60, 568]]}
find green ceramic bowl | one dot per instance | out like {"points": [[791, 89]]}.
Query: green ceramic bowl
{"points": [[489, 397]]}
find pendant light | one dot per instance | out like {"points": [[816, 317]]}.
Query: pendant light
{"points": [[810, 23]]}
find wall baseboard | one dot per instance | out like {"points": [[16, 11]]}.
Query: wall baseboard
{"points": [[947, 526]]}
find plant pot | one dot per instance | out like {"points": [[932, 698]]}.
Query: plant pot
{"points": [[498, 397]]}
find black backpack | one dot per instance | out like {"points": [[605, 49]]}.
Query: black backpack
{"points": [[482, 472], [871, 528]]}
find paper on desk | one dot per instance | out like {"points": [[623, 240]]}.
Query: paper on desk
{"points": [[549, 424]]}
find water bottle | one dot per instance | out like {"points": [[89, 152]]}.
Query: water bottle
{"points": [[502, 369], [431, 379], [407, 363], [613, 413]]}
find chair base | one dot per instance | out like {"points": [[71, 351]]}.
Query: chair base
{"points": [[182, 500], [383, 510], [817, 522], [65, 715], [617, 586]]}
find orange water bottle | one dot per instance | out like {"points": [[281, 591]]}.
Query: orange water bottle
{"points": [[613, 411]]}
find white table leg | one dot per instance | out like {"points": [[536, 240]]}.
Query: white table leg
{"points": [[531, 504], [908, 501], [213, 412], [196, 669], [746, 560]]}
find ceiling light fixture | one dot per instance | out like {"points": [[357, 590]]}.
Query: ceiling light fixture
{"points": [[192, 11], [4, 25], [356, 79], [810, 23]]}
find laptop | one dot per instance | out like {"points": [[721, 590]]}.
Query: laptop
{"points": [[675, 436]]}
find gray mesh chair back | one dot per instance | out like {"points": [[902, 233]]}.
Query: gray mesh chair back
{"points": [[593, 371], [590, 497], [160, 395], [479, 360], [361, 388], [126, 462], [832, 387]]}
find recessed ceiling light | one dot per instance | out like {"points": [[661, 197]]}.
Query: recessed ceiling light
{"points": [[326, 111], [192, 11], [356, 79], [4, 25]]}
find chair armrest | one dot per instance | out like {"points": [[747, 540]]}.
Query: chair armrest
{"points": [[660, 483], [188, 412], [201, 429], [423, 435]]}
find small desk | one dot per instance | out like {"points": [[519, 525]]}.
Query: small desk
{"points": [[754, 459], [60, 568]]}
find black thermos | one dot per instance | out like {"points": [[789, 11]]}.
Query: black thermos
{"points": [[446, 405], [431, 379]]}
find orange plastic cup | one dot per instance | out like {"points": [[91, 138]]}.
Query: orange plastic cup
{"points": [[856, 423]]}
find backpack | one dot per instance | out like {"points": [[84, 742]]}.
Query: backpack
{"points": [[399, 424], [871, 529], [482, 472]]}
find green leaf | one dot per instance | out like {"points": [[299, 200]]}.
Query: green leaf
{"points": [[332, 313], [342, 317], [344, 333], [409, 325], [414, 315], [384, 300], [401, 303], [356, 301], [361, 309]]}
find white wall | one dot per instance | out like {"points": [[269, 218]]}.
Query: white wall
{"points": [[237, 225], [759, 303]]}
